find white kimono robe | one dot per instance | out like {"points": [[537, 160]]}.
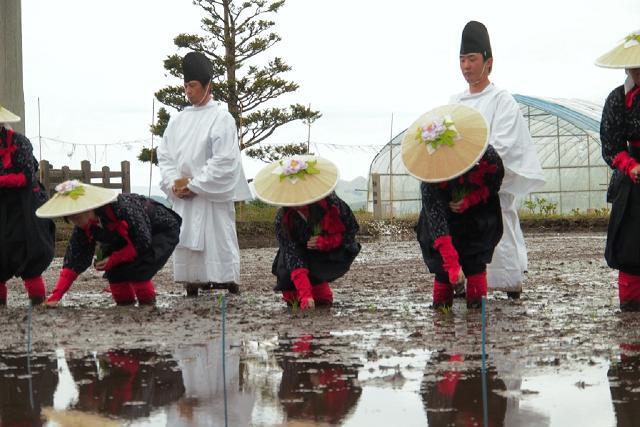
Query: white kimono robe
{"points": [[509, 135], [202, 143]]}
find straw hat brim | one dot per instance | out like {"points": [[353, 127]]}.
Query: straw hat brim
{"points": [[447, 162], [271, 189], [620, 57], [7, 116], [63, 205]]}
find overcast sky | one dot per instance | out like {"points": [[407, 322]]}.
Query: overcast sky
{"points": [[96, 65]]}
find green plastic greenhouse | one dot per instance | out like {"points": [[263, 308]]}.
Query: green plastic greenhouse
{"points": [[566, 133]]}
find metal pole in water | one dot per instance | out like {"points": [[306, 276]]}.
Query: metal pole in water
{"points": [[224, 361], [485, 408], [29, 356]]}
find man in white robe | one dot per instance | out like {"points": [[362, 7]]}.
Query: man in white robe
{"points": [[201, 170], [509, 135]]}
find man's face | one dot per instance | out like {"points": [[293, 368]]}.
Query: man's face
{"points": [[195, 92], [474, 68], [635, 75]]}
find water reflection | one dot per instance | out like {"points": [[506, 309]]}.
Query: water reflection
{"points": [[125, 383], [312, 389], [203, 402], [624, 383], [511, 371], [18, 390], [288, 381], [453, 395]]}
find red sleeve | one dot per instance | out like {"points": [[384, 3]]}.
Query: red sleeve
{"points": [[128, 253], [66, 279], [333, 229], [450, 261], [330, 242], [625, 164], [479, 176], [474, 198], [13, 180]]}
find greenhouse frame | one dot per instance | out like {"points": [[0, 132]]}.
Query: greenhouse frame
{"points": [[566, 133]]}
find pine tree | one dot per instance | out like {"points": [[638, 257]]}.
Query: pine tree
{"points": [[237, 31]]}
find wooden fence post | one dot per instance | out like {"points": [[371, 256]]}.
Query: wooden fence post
{"points": [[126, 176], [65, 173], [106, 179], [85, 167]]}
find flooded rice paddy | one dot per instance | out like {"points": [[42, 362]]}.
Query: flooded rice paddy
{"points": [[561, 355]]}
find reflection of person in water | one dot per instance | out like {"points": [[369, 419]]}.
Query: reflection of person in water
{"points": [[455, 397], [17, 390], [320, 391], [130, 383], [203, 403], [623, 377]]}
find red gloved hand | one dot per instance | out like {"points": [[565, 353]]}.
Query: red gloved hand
{"points": [[300, 278], [66, 279], [450, 262], [625, 164]]}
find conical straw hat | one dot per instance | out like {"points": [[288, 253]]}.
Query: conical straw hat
{"points": [[74, 197], [7, 116], [626, 54], [444, 143], [279, 184]]}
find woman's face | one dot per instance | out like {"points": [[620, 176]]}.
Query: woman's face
{"points": [[81, 219], [634, 73]]}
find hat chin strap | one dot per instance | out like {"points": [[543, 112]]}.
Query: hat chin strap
{"points": [[481, 73], [199, 103], [206, 93]]}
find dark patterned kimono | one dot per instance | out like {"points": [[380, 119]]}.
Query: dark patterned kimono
{"points": [[474, 232], [620, 137], [26, 242], [140, 232], [330, 218]]}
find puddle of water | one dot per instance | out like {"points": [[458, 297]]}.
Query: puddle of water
{"points": [[286, 381]]}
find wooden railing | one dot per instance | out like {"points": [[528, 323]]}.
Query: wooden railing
{"points": [[51, 177]]}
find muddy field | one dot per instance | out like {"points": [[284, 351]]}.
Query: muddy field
{"points": [[381, 327]]}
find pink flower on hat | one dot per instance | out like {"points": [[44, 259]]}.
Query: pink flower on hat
{"points": [[431, 131], [67, 186], [293, 165], [73, 188], [439, 131]]}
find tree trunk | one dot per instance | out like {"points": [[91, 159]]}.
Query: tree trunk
{"points": [[230, 61]]}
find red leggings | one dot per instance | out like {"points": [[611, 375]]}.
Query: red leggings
{"points": [[628, 287], [125, 293], [476, 289]]}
